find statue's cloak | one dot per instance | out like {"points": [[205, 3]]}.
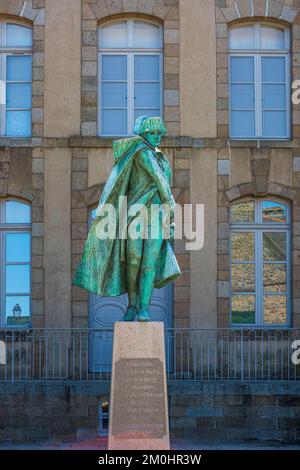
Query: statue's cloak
{"points": [[102, 269]]}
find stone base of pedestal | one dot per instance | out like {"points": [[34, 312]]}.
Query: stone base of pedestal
{"points": [[138, 417]]}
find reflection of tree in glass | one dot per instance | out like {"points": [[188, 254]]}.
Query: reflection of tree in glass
{"points": [[243, 212]]}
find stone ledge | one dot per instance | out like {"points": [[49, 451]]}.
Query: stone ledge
{"points": [[167, 142], [185, 388], [257, 143], [183, 141], [20, 142]]}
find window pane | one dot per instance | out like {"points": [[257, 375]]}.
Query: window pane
{"points": [[19, 68], [18, 123], [242, 96], [146, 67], [242, 246], [146, 95], [17, 35], [243, 309], [243, 212], [242, 124], [18, 247], [273, 69], [114, 94], [146, 35], [243, 277], [272, 38], [275, 309], [273, 97], [114, 67], [274, 124], [18, 95], [274, 277], [274, 212], [113, 35], [242, 38], [242, 69], [17, 279], [274, 246], [17, 310], [17, 213], [114, 122], [146, 112]]}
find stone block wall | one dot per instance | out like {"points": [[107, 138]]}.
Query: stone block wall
{"points": [[208, 412], [235, 412]]}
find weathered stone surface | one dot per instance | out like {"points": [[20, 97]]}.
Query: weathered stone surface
{"points": [[40, 17], [230, 13], [171, 97], [138, 407], [223, 167], [289, 14], [274, 8]]}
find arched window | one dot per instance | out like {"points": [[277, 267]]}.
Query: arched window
{"points": [[15, 263], [260, 263], [130, 74], [259, 81], [15, 79]]}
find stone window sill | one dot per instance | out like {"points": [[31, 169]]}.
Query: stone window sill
{"points": [[263, 143]]}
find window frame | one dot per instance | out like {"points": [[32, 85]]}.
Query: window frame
{"points": [[258, 54], [13, 228], [130, 52], [258, 227], [6, 51]]}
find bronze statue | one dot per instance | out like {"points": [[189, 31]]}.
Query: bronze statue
{"points": [[139, 261]]}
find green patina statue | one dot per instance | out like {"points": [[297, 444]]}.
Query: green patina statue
{"points": [[112, 266]]}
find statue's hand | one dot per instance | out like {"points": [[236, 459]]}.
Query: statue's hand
{"points": [[172, 203], [169, 231], [172, 232]]}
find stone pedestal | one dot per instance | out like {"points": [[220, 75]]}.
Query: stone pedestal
{"points": [[138, 417]]}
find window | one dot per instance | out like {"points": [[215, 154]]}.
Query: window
{"points": [[15, 79], [103, 422], [259, 82], [15, 263], [260, 267], [130, 74]]}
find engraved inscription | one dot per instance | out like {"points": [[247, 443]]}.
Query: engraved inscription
{"points": [[139, 399]]}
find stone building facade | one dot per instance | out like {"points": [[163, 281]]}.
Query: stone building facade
{"points": [[62, 168]]}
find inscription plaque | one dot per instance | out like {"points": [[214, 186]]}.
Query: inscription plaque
{"points": [[139, 399]]}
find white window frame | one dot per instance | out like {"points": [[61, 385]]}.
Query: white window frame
{"points": [[257, 54], [130, 51], [258, 228], [4, 53], [12, 228]]}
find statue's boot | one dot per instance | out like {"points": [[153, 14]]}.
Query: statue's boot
{"points": [[143, 315], [130, 313]]}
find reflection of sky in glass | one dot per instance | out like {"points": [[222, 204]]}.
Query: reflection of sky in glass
{"points": [[24, 303], [274, 212], [94, 213], [18, 247], [17, 213], [17, 35], [17, 279]]}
